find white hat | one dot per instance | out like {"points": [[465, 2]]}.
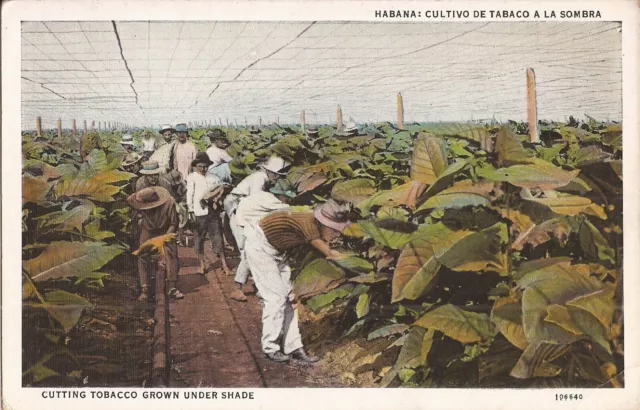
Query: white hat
{"points": [[127, 139], [350, 126], [276, 165], [166, 127]]}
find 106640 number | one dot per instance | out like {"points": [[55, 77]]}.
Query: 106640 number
{"points": [[568, 397]]}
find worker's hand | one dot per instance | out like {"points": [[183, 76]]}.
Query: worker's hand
{"points": [[336, 256]]}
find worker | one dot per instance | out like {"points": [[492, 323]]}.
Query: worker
{"points": [[265, 245], [207, 215], [148, 145], [165, 148], [270, 172], [159, 217], [218, 155], [250, 210], [184, 152]]}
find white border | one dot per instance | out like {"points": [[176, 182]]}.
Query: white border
{"points": [[16, 397]]}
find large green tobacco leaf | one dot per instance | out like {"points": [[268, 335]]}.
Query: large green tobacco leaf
{"points": [[64, 259], [40, 371], [317, 277], [111, 175], [458, 324], [85, 188], [537, 174], [319, 301], [34, 189], [594, 244], [509, 149], [564, 204], [538, 265], [473, 132], [388, 331], [599, 304], [590, 155], [461, 194], [536, 361], [480, 251], [507, 315], [578, 322], [93, 231], [415, 349], [353, 191], [354, 264], [389, 232], [557, 284], [65, 221], [417, 265], [539, 234], [65, 307], [429, 158], [405, 194]]}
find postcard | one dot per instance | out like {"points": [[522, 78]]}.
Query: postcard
{"points": [[319, 205]]}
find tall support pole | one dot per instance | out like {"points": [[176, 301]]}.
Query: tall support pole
{"points": [[245, 122], [38, 126], [227, 121], [302, 120], [400, 124], [93, 125], [59, 124], [260, 121], [73, 128], [339, 119], [84, 127], [532, 106], [220, 121], [277, 119]]}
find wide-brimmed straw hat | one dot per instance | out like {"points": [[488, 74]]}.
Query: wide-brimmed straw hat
{"points": [[181, 128], [165, 128], [200, 158], [312, 131], [283, 187], [149, 198], [151, 168], [126, 140], [332, 215], [276, 165]]}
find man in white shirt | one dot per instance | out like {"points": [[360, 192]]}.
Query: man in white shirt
{"points": [[250, 210], [219, 157], [148, 144], [256, 182], [163, 153], [205, 212]]}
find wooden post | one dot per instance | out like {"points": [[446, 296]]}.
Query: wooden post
{"points": [[339, 119], [38, 126], [84, 127], [400, 124], [302, 122], [260, 122], [277, 119], [532, 107], [73, 127], [59, 128], [220, 121], [93, 125], [245, 122], [227, 121], [235, 120]]}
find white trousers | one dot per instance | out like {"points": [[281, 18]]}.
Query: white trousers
{"points": [[272, 276], [242, 271]]}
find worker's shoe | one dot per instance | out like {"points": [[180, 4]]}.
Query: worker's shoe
{"points": [[144, 294], [277, 356], [301, 355], [201, 267], [238, 295], [175, 294]]}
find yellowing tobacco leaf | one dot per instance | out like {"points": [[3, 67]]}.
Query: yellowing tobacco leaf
{"points": [[507, 315], [429, 158], [84, 188], [34, 189], [155, 244], [458, 324]]}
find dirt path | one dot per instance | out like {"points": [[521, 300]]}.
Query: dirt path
{"points": [[215, 341]]}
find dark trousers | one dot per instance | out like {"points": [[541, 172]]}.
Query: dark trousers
{"points": [[210, 224]]}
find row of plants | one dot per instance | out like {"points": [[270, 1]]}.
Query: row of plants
{"points": [[472, 250]]}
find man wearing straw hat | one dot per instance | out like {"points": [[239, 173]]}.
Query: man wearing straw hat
{"points": [[148, 144], [266, 243], [183, 153], [159, 217], [250, 210], [271, 171], [311, 132], [203, 194], [131, 160], [350, 129]]}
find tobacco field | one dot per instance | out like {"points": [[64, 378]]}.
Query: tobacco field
{"points": [[476, 259]]}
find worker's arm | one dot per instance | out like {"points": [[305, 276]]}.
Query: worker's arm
{"points": [[324, 248]]}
